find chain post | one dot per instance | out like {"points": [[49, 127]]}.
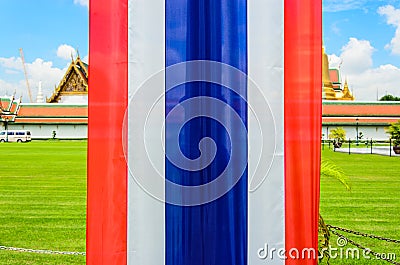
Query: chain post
{"points": [[349, 145], [371, 146]]}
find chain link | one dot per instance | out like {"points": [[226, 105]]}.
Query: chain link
{"points": [[364, 234], [367, 250], [42, 251], [331, 228]]}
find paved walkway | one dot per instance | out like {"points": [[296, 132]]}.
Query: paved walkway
{"points": [[379, 150]]}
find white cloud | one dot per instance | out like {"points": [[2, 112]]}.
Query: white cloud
{"points": [[11, 63], [334, 61], [6, 88], [356, 56], [375, 82], [11, 72], [38, 70], [82, 2], [65, 52], [392, 14], [335, 29], [342, 5], [392, 18], [363, 78]]}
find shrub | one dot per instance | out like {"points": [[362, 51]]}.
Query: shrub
{"points": [[394, 131], [338, 134]]}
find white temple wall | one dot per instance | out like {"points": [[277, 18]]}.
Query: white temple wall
{"points": [[376, 132], [45, 131]]}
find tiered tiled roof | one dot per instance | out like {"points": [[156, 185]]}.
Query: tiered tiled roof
{"points": [[52, 114], [334, 113], [335, 78], [366, 113]]}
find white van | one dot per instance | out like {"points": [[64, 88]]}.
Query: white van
{"points": [[15, 136]]}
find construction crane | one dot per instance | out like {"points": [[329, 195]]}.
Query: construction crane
{"points": [[26, 74]]}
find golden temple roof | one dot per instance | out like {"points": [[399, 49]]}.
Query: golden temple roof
{"points": [[331, 83], [74, 82]]}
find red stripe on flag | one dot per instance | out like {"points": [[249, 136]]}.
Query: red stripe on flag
{"points": [[107, 169], [303, 92]]}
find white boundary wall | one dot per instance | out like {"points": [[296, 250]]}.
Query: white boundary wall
{"points": [[45, 131], [376, 132]]}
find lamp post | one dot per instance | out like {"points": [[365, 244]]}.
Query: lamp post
{"points": [[327, 137], [357, 131]]}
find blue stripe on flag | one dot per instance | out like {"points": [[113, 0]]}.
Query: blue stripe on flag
{"points": [[215, 232]]}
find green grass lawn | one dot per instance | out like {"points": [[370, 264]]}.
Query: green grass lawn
{"points": [[373, 205], [43, 200]]}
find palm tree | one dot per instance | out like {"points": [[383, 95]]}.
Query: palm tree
{"points": [[329, 169]]}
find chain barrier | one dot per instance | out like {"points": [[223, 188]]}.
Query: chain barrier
{"points": [[367, 250], [364, 234], [43, 251]]}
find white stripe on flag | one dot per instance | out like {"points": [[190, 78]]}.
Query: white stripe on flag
{"points": [[146, 56], [265, 68]]}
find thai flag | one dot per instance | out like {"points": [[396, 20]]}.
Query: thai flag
{"points": [[204, 132]]}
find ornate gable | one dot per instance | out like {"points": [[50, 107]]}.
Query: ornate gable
{"points": [[74, 82], [9, 108]]}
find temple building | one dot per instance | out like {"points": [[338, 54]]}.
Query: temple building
{"points": [[332, 88], [65, 113], [73, 87]]}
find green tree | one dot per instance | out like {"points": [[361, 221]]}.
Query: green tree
{"points": [[394, 131], [389, 98], [338, 135]]}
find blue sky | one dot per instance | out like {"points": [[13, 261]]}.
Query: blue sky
{"points": [[48, 31], [362, 36]]}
